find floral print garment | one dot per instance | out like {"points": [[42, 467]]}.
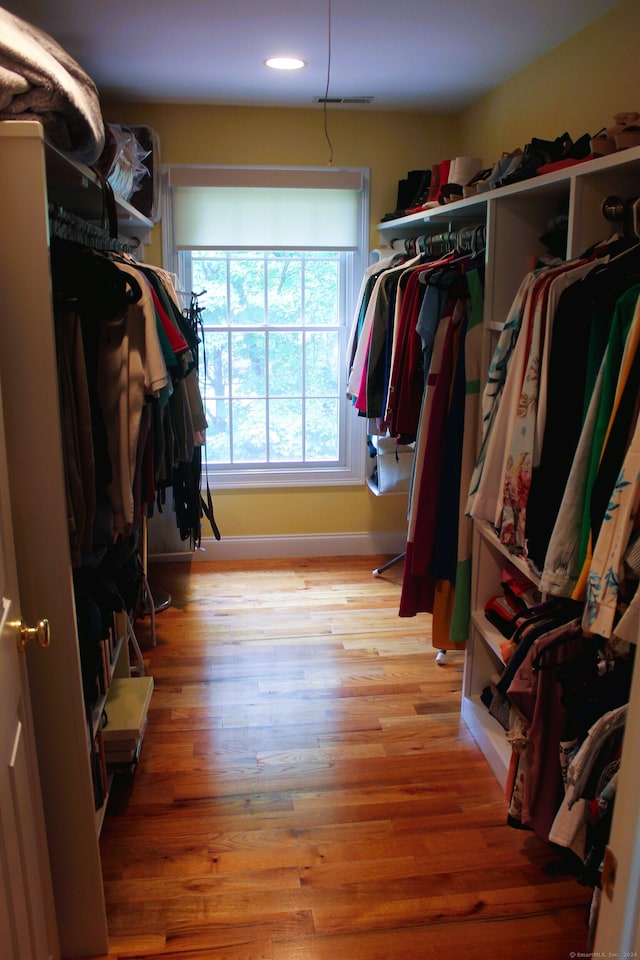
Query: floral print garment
{"points": [[607, 561]]}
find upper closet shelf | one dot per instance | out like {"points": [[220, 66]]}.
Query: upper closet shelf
{"points": [[472, 210], [73, 185], [77, 188]]}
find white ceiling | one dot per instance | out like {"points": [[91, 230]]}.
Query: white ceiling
{"points": [[436, 55]]}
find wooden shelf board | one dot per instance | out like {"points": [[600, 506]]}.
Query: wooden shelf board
{"points": [[126, 707], [489, 735]]}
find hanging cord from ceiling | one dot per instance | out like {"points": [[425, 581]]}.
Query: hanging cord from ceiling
{"points": [[326, 92]]}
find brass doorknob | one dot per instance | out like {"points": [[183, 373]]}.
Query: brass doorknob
{"points": [[40, 632]]}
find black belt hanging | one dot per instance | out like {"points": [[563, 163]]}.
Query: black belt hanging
{"points": [[207, 509]]}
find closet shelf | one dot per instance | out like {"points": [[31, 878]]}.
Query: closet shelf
{"points": [[126, 708], [97, 711], [489, 735], [491, 635], [77, 188], [486, 531]]}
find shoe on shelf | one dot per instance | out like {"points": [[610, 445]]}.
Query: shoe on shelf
{"points": [[420, 188], [605, 142], [539, 153], [620, 121], [463, 169], [470, 189], [506, 164], [628, 137], [450, 192], [435, 182]]}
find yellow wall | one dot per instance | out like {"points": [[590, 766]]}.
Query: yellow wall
{"points": [[389, 145], [577, 87]]}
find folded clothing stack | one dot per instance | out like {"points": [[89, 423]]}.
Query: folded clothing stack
{"points": [[507, 610], [130, 162], [40, 81]]}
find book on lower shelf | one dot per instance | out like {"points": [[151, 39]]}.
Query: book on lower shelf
{"points": [[122, 755]]}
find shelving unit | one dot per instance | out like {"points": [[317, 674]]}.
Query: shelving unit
{"points": [[120, 714], [483, 656], [515, 217], [32, 174], [77, 188]]}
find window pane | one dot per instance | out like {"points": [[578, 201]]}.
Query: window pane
{"points": [[246, 296], [321, 433], [284, 288], [214, 386], [248, 367], [214, 365], [209, 273], [322, 373], [321, 291], [285, 430], [272, 395], [285, 364], [218, 439], [249, 431]]}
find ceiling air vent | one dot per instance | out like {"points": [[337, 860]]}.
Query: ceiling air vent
{"points": [[342, 99]]}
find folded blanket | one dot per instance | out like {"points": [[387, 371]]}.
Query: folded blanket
{"points": [[40, 81]]}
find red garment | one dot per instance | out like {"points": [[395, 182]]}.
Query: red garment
{"points": [[537, 694], [427, 500], [176, 340], [406, 380], [418, 588], [406, 384]]}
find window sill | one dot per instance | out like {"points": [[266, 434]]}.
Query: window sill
{"points": [[275, 478]]}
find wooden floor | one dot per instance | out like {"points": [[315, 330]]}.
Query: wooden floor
{"points": [[307, 790]]}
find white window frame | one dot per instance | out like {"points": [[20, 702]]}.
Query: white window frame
{"points": [[351, 469]]}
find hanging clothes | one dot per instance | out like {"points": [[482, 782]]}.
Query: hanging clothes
{"points": [[562, 316], [414, 371], [436, 575], [124, 354], [562, 491]]}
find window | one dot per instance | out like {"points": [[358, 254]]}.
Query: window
{"points": [[276, 257]]}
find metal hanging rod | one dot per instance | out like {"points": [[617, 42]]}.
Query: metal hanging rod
{"points": [[469, 239], [626, 213], [68, 226]]}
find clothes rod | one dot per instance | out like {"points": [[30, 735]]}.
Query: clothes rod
{"points": [[68, 226], [468, 239]]}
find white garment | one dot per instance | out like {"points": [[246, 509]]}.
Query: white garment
{"points": [[486, 503], [369, 272], [496, 376], [362, 349]]}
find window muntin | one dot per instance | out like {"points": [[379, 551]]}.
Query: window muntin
{"points": [[274, 333], [319, 214]]}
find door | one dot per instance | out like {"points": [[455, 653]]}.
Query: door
{"points": [[27, 928]]}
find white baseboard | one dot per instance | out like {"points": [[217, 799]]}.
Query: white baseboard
{"points": [[281, 547]]}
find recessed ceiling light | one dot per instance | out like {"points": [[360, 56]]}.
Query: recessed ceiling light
{"points": [[285, 63]]}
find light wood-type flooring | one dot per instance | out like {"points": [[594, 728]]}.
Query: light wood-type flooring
{"points": [[308, 791]]}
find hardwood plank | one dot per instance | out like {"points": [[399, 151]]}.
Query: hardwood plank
{"points": [[551, 940], [307, 788]]}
